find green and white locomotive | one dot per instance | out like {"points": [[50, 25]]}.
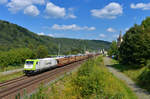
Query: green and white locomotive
{"points": [[37, 65]]}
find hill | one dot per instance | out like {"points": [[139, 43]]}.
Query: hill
{"points": [[14, 36]]}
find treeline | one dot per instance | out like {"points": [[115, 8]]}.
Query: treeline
{"points": [[14, 36], [135, 48], [18, 56], [113, 50]]}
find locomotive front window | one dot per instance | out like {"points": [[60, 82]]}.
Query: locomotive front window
{"points": [[37, 63], [29, 62]]}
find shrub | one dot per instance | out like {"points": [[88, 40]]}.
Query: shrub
{"points": [[15, 57], [144, 79], [18, 56]]}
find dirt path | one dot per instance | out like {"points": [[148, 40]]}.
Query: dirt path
{"points": [[141, 94], [11, 71]]}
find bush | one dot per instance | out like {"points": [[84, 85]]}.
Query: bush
{"points": [[148, 64], [15, 57], [144, 79]]}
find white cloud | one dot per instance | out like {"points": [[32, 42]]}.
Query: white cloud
{"points": [[17, 5], [111, 29], [110, 11], [38, 2], [31, 10], [72, 27], [41, 33], [142, 6], [53, 11], [71, 14], [51, 35], [3, 1], [102, 35], [91, 28], [126, 29]]}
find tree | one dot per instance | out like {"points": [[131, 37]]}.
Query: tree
{"points": [[42, 51], [113, 51], [135, 47]]}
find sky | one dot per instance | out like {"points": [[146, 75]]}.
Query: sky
{"points": [[80, 19]]}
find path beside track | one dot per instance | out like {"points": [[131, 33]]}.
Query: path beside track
{"points": [[141, 93], [11, 71]]}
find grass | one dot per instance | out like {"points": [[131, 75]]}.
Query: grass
{"points": [[11, 68], [91, 81], [4, 78], [141, 76], [131, 71]]}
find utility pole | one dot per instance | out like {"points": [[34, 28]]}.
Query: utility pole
{"points": [[84, 49], [58, 49]]}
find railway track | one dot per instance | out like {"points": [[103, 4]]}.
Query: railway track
{"points": [[11, 88], [12, 81]]}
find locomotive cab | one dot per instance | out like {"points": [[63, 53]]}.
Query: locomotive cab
{"points": [[30, 66], [33, 66]]}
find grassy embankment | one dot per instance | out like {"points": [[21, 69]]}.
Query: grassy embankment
{"points": [[91, 81], [4, 78], [10, 67], [140, 75]]}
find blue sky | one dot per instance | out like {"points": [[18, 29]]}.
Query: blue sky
{"points": [[83, 19]]}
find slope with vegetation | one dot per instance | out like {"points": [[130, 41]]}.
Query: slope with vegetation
{"points": [[91, 81], [14, 36], [18, 43], [133, 54], [139, 75]]}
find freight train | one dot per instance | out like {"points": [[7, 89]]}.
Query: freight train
{"points": [[33, 66]]}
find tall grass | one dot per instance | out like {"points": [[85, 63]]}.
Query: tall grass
{"points": [[91, 81], [11, 67], [4, 78], [140, 75], [144, 79]]}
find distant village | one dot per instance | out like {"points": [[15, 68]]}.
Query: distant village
{"points": [[119, 41]]}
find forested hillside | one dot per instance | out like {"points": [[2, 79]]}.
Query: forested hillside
{"points": [[14, 36]]}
